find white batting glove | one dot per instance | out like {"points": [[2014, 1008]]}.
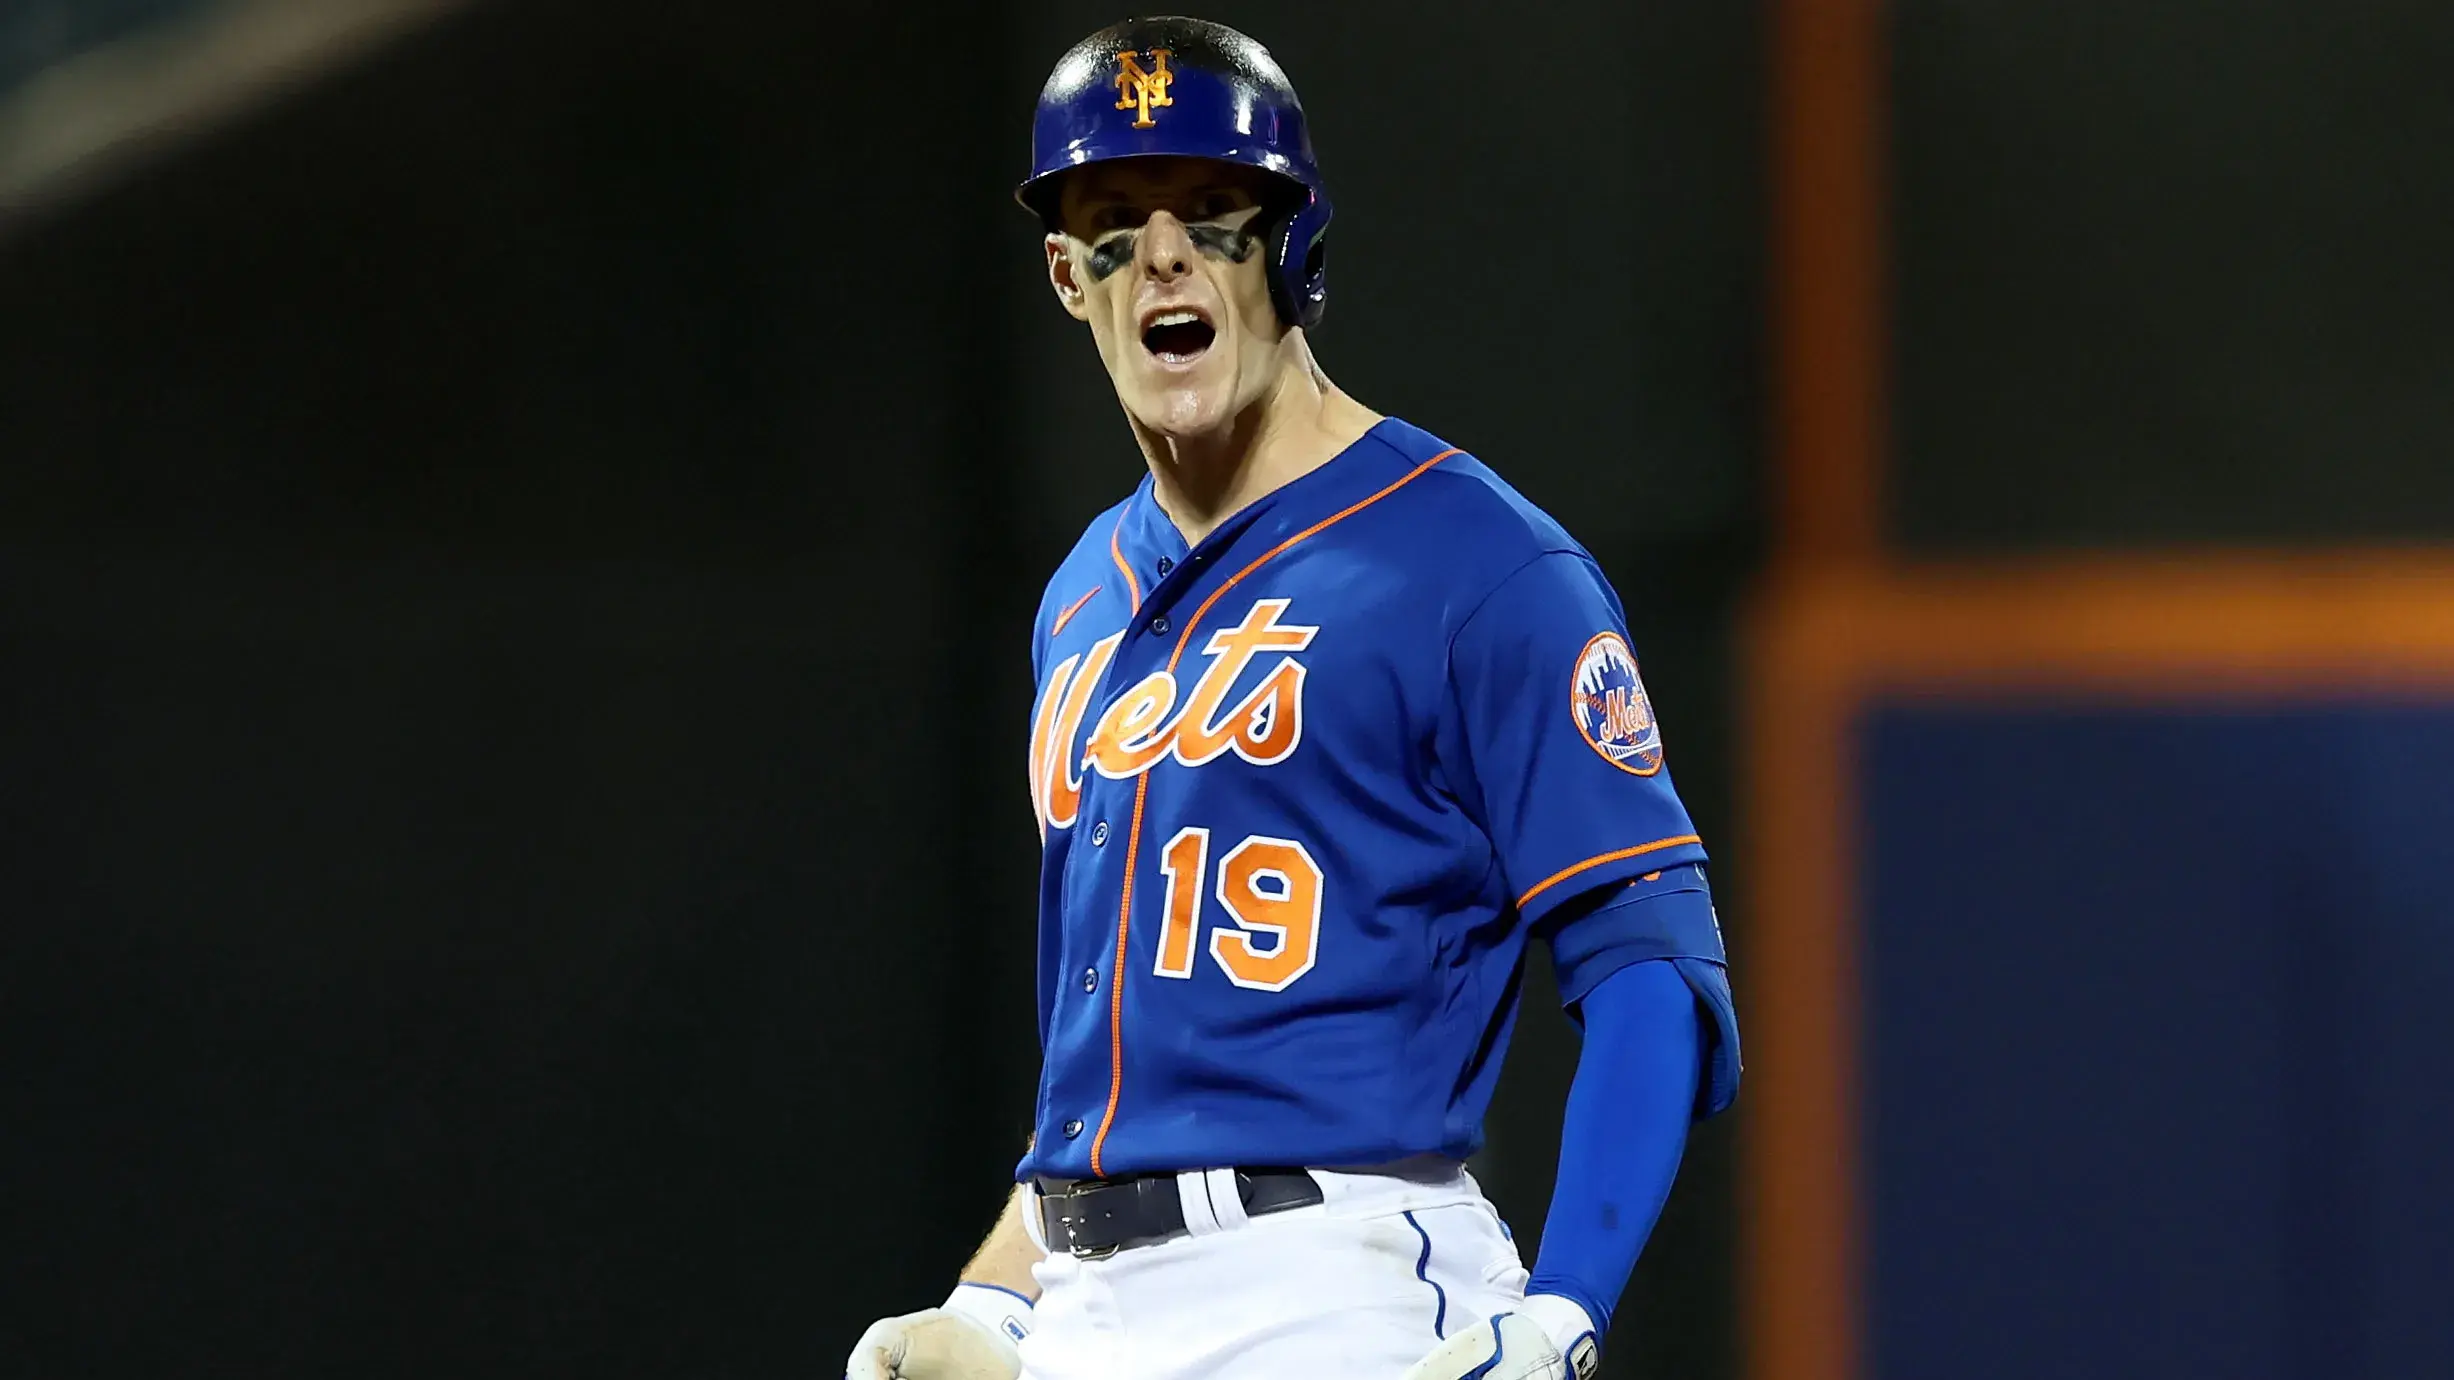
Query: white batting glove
{"points": [[971, 1336], [1550, 1339]]}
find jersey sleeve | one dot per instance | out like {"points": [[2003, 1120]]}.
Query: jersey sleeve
{"points": [[1560, 757], [1662, 916]]}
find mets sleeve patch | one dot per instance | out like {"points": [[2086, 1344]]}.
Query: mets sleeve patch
{"points": [[1607, 698]]}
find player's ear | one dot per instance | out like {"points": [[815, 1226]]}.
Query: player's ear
{"points": [[1061, 276]]}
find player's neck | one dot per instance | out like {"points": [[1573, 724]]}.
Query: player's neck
{"points": [[1299, 425]]}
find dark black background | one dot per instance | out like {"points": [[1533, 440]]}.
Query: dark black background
{"points": [[2172, 274]]}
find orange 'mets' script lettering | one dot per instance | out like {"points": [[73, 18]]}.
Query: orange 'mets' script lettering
{"points": [[1143, 726]]}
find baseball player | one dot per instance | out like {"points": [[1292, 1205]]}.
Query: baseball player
{"points": [[1331, 723]]}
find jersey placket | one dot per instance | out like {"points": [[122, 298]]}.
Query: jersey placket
{"points": [[1153, 642]]}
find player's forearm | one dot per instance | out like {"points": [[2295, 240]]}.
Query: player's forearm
{"points": [[1005, 1259], [1624, 1134]]}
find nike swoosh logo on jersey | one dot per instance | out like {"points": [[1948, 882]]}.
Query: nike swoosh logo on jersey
{"points": [[1071, 609]]}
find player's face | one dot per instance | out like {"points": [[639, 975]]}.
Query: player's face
{"points": [[1164, 258]]}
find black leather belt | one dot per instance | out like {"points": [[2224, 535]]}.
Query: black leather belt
{"points": [[1099, 1217]]}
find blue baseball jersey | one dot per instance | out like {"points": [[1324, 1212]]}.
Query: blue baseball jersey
{"points": [[1305, 791]]}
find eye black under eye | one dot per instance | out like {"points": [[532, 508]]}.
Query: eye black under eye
{"points": [[1111, 254], [1235, 244]]}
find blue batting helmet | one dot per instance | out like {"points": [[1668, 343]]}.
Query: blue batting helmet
{"points": [[1190, 88]]}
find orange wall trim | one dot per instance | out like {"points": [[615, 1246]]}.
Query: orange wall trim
{"points": [[1828, 342], [2369, 623]]}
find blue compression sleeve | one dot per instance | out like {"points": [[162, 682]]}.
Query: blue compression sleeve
{"points": [[1625, 1130]]}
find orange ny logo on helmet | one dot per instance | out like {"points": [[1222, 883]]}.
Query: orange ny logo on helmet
{"points": [[1138, 90]]}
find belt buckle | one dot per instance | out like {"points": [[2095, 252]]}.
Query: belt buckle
{"points": [[1080, 1252], [1073, 1244]]}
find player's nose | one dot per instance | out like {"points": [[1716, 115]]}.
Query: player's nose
{"points": [[1166, 247]]}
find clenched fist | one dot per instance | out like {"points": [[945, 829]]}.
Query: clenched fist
{"points": [[971, 1337], [1518, 1346]]}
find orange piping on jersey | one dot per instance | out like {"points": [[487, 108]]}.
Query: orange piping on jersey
{"points": [[1133, 587], [1116, 984], [1141, 789], [1557, 877], [1264, 558], [1071, 609]]}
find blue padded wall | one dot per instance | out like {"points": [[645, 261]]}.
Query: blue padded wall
{"points": [[2159, 1008]]}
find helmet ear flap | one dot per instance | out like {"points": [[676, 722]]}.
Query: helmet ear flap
{"points": [[1299, 260], [1315, 279], [1309, 261]]}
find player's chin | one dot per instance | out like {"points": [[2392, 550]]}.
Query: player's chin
{"points": [[1186, 403]]}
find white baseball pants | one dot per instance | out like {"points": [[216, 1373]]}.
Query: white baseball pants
{"points": [[1356, 1287]]}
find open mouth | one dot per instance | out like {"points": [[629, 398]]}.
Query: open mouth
{"points": [[1178, 337]]}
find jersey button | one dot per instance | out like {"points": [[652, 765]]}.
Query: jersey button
{"points": [[1090, 979], [1166, 565], [1072, 1129], [1099, 834], [1159, 624]]}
